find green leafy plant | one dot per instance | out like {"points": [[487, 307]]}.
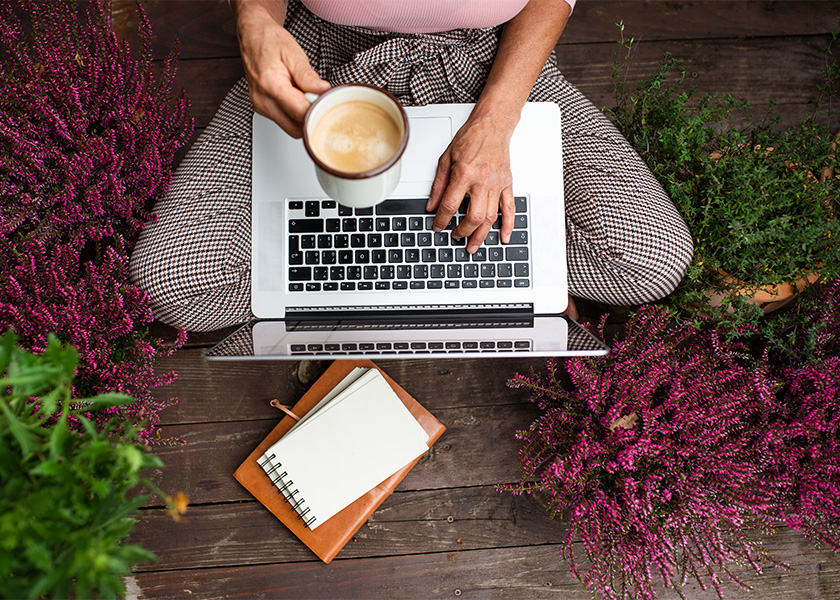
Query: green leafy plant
{"points": [[759, 200], [68, 486]]}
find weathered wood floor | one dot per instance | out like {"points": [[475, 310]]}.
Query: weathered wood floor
{"points": [[447, 532]]}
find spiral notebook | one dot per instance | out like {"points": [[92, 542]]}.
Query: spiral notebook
{"points": [[358, 434], [323, 463]]}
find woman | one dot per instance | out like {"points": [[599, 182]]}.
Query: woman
{"points": [[626, 242]]}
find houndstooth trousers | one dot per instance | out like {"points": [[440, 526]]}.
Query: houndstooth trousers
{"points": [[626, 242]]}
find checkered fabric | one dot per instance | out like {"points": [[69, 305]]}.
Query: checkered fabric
{"points": [[626, 242]]}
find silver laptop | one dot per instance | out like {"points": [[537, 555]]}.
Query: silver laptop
{"points": [[331, 281]]}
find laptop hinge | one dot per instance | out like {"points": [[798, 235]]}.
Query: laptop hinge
{"points": [[464, 312]]}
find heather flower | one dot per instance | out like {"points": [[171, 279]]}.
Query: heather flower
{"points": [[650, 453], [87, 137]]}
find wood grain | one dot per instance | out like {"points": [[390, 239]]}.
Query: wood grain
{"points": [[521, 572]]}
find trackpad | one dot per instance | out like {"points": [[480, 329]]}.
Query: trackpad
{"points": [[427, 139]]}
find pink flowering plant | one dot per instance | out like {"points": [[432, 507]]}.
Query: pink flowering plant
{"points": [[672, 458], [650, 457], [88, 133]]}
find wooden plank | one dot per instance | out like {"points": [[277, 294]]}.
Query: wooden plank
{"points": [[478, 448], [594, 20], [517, 573], [215, 391], [414, 522], [787, 70], [206, 28]]}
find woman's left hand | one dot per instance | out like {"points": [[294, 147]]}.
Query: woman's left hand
{"points": [[476, 163]]}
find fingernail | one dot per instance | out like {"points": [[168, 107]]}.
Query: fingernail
{"points": [[429, 205], [472, 249], [437, 229]]}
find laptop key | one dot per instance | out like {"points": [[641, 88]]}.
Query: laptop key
{"points": [[516, 253], [312, 257], [320, 273], [313, 286], [337, 273], [429, 255], [415, 223], [383, 224], [306, 226], [333, 225], [344, 211], [395, 255], [399, 224], [368, 210], [403, 272], [407, 239], [354, 272], [471, 270], [495, 254], [392, 240], [400, 285], [365, 285], [421, 271], [453, 271], [348, 225], [374, 240], [417, 284], [312, 208], [378, 256], [434, 284], [520, 269], [520, 221], [383, 285], [504, 270], [328, 257], [449, 284], [307, 241], [437, 271], [348, 286], [296, 287], [402, 206], [504, 283], [328, 204], [345, 257], [300, 273], [371, 272], [480, 255], [331, 286], [424, 239], [366, 224], [357, 240], [519, 236], [461, 255], [341, 240], [521, 204], [522, 282], [469, 283], [386, 272], [488, 270], [295, 204], [324, 241], [412, 255], [487, 283]]}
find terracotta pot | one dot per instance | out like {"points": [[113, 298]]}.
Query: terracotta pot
{"points": [[768, 297]]}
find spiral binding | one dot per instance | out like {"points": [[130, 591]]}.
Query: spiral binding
{"points": [[298, 504]]}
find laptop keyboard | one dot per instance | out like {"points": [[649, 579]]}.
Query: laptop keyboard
{"points": [[392, 247]]}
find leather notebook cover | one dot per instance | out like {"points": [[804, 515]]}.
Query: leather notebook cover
{"points": [[331, 536]]}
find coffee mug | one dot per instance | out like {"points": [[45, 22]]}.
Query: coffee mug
{"points": [[356, 135]]}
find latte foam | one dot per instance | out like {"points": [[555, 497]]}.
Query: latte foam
{"points": [[355, 136]]}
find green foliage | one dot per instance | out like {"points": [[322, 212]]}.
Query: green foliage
{"points": [[754, 197], [67, 498]]}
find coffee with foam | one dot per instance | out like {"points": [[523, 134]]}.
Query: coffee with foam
{"points": [[355, 137]]}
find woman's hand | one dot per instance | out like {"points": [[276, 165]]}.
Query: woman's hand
{"points": [[477, 162], [277, 68]]}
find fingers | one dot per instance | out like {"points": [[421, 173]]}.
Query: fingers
{"points": [[508, 208]]}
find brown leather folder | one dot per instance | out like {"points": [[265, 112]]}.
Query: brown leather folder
{"points": [[329, 538]]}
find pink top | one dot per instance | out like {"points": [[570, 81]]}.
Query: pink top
{"points": [[415, 16]]}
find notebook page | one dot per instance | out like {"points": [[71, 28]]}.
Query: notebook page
{"points": [[351, 378], [363, 438], [360, 380]]}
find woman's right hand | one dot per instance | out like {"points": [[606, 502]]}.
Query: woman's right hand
{"points": [[277, 68]]}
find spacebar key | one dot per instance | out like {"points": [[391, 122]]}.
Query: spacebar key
{"points": [[402, 206]]}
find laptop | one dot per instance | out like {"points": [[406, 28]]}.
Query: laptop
{"points": [[331, 281]]}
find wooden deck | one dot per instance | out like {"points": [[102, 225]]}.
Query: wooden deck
{"points": [[447, 532]]}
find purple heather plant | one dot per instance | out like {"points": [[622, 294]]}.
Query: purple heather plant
{"points": [[88, 133], [652, 457]]}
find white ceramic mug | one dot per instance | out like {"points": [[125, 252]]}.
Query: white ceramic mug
{"points": [[357, 189]]}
